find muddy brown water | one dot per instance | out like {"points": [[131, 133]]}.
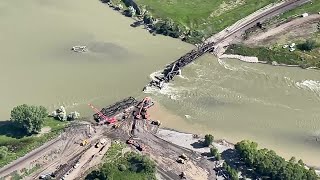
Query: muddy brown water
{"points": [[38, 66], [276, 106]]}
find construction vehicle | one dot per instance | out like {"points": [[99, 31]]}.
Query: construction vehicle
{"points": [[104, 119], [157, 123], [183, 175], [143, 106], [84, 142], [97, 145], [100, 142], [184, 157], [116, 125], [135, 144], [180, 160]]}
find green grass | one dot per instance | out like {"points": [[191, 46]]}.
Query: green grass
{"points": [[281, 56], [19, 144], [136, 166], [195, 14], [306, 8]]}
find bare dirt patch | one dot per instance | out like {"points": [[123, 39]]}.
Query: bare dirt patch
{"points": [[295, 29], [44, 130]]}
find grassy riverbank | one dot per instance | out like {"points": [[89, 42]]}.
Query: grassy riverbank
{"points": [[204, 15], [190, 20], [278, 55], [18, 144]]}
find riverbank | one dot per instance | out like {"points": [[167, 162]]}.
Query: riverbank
{"points": [[179, 130], [185, 23], [294, 42], [18, 144]]}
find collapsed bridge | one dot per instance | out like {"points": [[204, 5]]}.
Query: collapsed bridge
{"points": [[175, 67]]}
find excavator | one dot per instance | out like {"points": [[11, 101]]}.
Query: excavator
{"points": [[143, 106]]}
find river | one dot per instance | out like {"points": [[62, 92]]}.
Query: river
{"points": [[38, 66], [276, 106]]}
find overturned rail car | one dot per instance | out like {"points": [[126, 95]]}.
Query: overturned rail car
{"points": [[116, 108], [175, 67]]}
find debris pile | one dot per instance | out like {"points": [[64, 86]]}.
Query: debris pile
{"points": [[79, 48], [61, 114]]}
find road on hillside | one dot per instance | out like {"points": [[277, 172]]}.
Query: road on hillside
{"points": [[251, 20], [6, 170]]}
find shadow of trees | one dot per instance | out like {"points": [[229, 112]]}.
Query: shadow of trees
{"points": [[9, 129], [197, 145], [232, 158]]}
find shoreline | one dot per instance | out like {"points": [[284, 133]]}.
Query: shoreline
{"points": [[185, 139], [254, 59], [175, 128], [139, 21], [183, 129]]}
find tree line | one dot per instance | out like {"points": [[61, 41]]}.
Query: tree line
{"points": [[267, 163]]}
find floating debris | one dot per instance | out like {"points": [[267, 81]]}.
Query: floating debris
{"points": [[79, 48]]}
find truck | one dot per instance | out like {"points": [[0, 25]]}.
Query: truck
{"points": [[136, 144]]}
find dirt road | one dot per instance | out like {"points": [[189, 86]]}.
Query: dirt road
{"points": [[294, 25], [30, 157], [233, 33], [164, 153]]}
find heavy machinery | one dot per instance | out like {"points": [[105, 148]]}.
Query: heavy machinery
{"points": [[136, 144], [142, 107], [156, 122], [84, 142], [184, 157], [180, 160], [100, 142], [104, 119], [115, 126], [183, 175]]}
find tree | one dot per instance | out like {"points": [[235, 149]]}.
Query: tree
{"points": [[308, 45], [29, 118], [122, 167], [267, 163], [218, 156], [208, 139], [3, 152], [214, 151]]}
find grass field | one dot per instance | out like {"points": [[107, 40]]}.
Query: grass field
{"points": [[265, 54], [18, 144], [124, 167], [311, 8], [210, 16], [302, 58]]}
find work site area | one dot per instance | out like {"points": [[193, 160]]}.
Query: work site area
{"points": [[81, 147]]}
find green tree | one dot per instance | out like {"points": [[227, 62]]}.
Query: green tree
{"points": [[3, 152], [308, 45], [122, 167], [208, 139], [29, 118], [218, 156], [214, 151], [267, 163]]}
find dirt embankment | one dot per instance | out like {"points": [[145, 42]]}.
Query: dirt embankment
{"points": [[297, 28]]}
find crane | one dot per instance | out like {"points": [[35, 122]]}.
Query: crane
{"points": [[102, 116]]}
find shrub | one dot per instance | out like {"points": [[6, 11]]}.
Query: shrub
{"points": [[208, 139]]}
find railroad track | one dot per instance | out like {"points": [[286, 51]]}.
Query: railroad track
{"points": [[264, 15], [174, 68]]}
